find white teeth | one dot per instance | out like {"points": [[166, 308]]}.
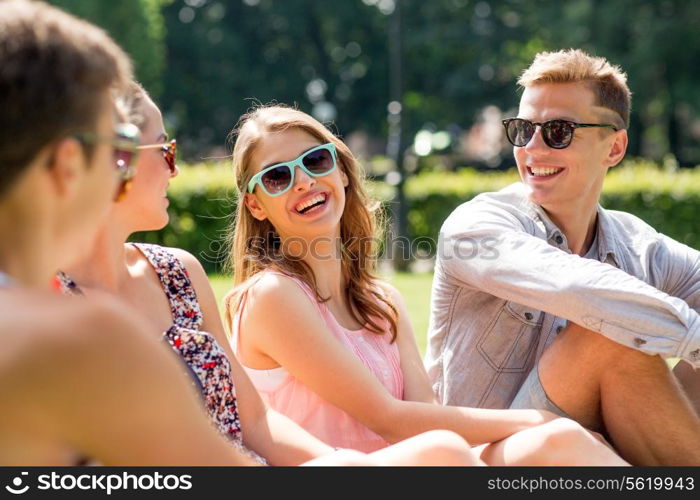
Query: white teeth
{"points": [[312, 201], [540, 172]]}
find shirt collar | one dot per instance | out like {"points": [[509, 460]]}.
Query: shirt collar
{"points": [[604, 233], [607, 245]]}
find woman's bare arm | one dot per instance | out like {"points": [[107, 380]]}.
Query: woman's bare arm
{"points": [[270, 434], [281, 322], [97, 382]]}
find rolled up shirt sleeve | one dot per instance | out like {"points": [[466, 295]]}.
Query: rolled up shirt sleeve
{"points": [[492, 250], [679, 266]]}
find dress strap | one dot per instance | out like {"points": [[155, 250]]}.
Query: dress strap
{"points": [[166, 339], [176, 284], [64, 284]]}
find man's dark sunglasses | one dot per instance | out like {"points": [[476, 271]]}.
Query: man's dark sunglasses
{"points": [[556, 134]]}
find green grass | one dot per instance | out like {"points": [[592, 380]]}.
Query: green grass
{"points": [[415, 290], [414, 287]]}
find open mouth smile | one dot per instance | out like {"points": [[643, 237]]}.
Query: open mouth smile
{"points": [[543, 172], [311, 204]]}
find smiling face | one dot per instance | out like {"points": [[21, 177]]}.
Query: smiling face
{"points": [[313, 206], [570, 178], [145, 207]]}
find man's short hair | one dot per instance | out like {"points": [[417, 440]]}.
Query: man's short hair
{"points": [[54, 69], [608, 82]]}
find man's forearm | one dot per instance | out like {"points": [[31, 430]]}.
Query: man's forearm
{"points": [[598, 296]]}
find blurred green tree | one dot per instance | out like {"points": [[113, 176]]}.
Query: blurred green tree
{"points": [[137, 25], [331, 59], [327, 59], [657, 44]]}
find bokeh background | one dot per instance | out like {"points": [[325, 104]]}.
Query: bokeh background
{"points": [[417, 89], [207, 61]]}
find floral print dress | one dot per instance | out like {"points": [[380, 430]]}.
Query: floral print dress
{"points": [[201, 352]]}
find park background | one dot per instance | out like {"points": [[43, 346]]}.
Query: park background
{"points": [[417, 90]]}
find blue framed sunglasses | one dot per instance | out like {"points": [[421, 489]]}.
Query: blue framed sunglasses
{"points": [[278, 178]]}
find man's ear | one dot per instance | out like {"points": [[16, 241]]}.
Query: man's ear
{"points": [[65, 165], [254, 206], [618, 148]]}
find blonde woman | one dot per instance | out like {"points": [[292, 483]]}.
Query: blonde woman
{"points": [[324, 341]]}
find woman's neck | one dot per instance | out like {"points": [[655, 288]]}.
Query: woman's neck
{"points": [[24, 270], [24, 257], [324, 256], [329, 277], [105, 267]]}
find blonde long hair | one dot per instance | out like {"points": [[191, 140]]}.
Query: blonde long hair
{"points": [[358, 224]]}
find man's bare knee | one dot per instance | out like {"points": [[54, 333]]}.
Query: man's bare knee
{"points": [[569, 443], [574, 367]]}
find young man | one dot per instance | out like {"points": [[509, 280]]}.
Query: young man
{"points": [[79, 379], [569, 307]]}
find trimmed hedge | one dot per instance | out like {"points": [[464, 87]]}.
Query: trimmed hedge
{"points": [[202, 200]]}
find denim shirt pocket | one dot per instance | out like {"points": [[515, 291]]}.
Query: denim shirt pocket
{"points": [[510, 339]]}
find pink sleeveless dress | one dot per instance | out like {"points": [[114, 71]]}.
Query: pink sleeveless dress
{"points": [[289, 396]]}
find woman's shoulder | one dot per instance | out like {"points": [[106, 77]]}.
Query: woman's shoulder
{"points": [[275, 285], [388, 292], [63, 324], [274, 302], [385, 288], [189, 261], [270, 295], [182, 258], [152, 249], [63, 350]]}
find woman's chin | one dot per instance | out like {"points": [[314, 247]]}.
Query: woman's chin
{"points": [[154, 223]]}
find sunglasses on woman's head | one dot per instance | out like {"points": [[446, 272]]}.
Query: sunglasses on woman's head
{"points": [[168, 149], [557, 134], [278, 178], [124, 144]]}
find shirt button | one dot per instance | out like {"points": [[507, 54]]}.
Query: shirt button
{"points": [[639, 342], [559, 329], [528, 316], [559, 239]]}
